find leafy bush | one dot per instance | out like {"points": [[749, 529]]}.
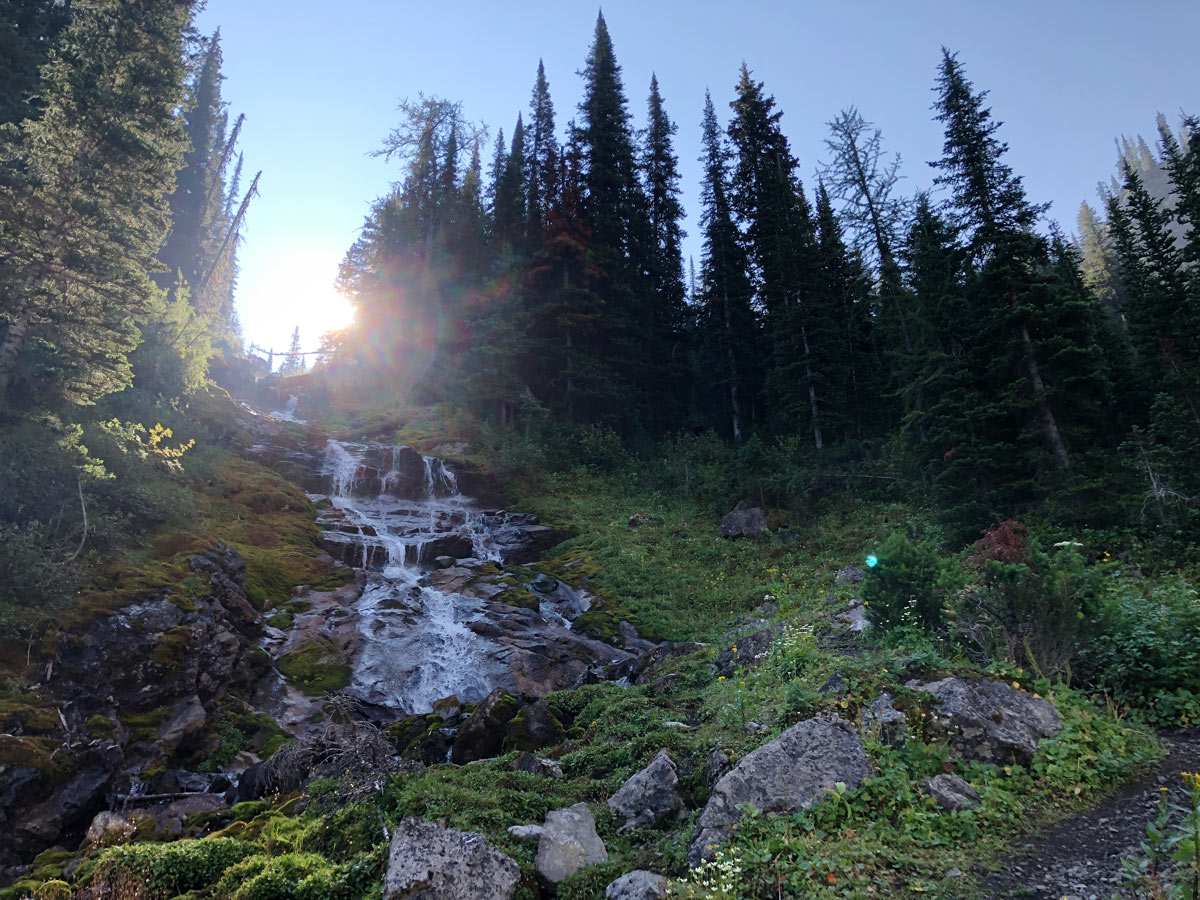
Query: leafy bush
{"points": [[1028, 603], [1144, 648], [907, 586]]}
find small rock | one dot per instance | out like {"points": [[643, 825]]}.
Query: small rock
{"points": [[527, 762], [568, 844], [648, 796], [885, 720], [525, 832], [850, 575], [952, 793], [954, 873], [637, 885], [108, 827], [444, 562], [835, 684], [744, 521]]}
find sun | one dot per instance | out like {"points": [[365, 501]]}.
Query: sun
{"points": [[293, 290]]}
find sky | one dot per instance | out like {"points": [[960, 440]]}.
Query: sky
{"points": [[319, 84]]}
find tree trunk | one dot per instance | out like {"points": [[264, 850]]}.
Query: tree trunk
{"points": [[1053, 435], [812, 388], [733, 376]]}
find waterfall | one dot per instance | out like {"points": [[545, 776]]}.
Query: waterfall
{"points": [[417, 646]]}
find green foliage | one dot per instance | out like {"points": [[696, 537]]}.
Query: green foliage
{"points": [[166, 870], [1143, 646], [907, 586], [317, 667]]}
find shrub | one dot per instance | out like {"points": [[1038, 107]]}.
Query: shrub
{"points": [[907, 585]]}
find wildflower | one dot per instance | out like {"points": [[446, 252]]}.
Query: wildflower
{"points": [[720, 678], [735, 648]]}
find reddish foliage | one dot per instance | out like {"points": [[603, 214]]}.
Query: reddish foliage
{"points": [[1006, 542]]}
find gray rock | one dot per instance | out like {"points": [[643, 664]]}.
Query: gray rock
{"points": [[850, 575], [744, 521], [746, 650], [790, 773], [109, 826], [952, 793], [426, 862], [444, 562], [534, 765], [637, 885], [187, 719], [649, 796], [525, 832], [569, 843], [835, 684], [885, 720], [715, 766], [989, 721], [853, 619]]}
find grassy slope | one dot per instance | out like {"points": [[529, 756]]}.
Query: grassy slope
{"points": [[679, 579]]}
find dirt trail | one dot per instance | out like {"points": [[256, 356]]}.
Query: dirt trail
{"points": [[1080, 858]]}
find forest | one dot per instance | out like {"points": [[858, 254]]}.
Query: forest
{"points": [[965, 441]]}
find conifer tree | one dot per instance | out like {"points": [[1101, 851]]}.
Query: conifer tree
{"points": [[541, 158], [29, 29], [83, 197], [509, 212], [728, 335]]}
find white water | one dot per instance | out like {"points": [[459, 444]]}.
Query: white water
{"points": [[288, 413], [417, 648]]}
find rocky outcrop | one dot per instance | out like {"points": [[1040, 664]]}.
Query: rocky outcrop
{"points": [[747, 649], [790, 773], [426, 862], [882, 720], [744, 520], [638, 885], [952, 793], [649, 796], [533, 728], [482, 735], [568, 844], [989, 721]]}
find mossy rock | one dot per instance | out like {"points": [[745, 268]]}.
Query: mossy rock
{"points": [[144, 725], [27, 715], [102, 726], [281, 620], [170, 651], [36, 753], [518, 596], [317, 668], [534, 728]]}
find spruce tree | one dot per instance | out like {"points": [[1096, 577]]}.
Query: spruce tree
{"points": [[82, 199], [727, 330], [29, 30], [541, 159]]}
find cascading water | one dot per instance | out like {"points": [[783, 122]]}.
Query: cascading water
{"points": [[416, 645]]}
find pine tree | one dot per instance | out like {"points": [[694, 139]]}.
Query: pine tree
{"points": [[87, 212], [29, 29], [509, 212], [541, 159], [728, 332], [293, 362]]}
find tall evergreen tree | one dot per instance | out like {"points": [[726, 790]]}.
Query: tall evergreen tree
{"points": [[29, 29], [541, 159], [728, 352], [82, 200]]}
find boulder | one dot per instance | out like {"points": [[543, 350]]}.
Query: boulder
{"points": [[525, 832], [637, 885], [952, 793], [531, 764], [747, 651], [744, 521], [648, 796], [482, 734], [533, 728], [715, 766], [850, 575], [109, 827], [568, 844], [989, 721], [187, 719], [433, 863], [790, 773]]}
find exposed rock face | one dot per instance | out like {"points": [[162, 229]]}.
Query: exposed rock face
{"points": [[426, 862], [568, 843], [715, 767], [792, 772], [952, 793], [481, 736], [648, 796], [747, 650], [638, 885], [186, 719], [989, 721], [744, 521]]}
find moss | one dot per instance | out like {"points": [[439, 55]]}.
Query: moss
{"points": [[101, 726], [144, 725], [170, 651], [28, 714], [318, 667], [247, 810], [35, 753], [522, 597], [574, 567], [281, 620]]}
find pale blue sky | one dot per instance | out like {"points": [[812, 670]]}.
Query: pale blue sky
{"points": [[319, 84]]}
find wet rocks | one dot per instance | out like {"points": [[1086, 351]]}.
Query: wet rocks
{"points": [[637, 885], [789, 773], [649, 796], [744, 520], [989, 721], [433, 863], [187, 719], [568, 844], [951, 793]]}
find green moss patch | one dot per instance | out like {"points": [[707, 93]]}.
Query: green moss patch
{"points": [[316, 668]]}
